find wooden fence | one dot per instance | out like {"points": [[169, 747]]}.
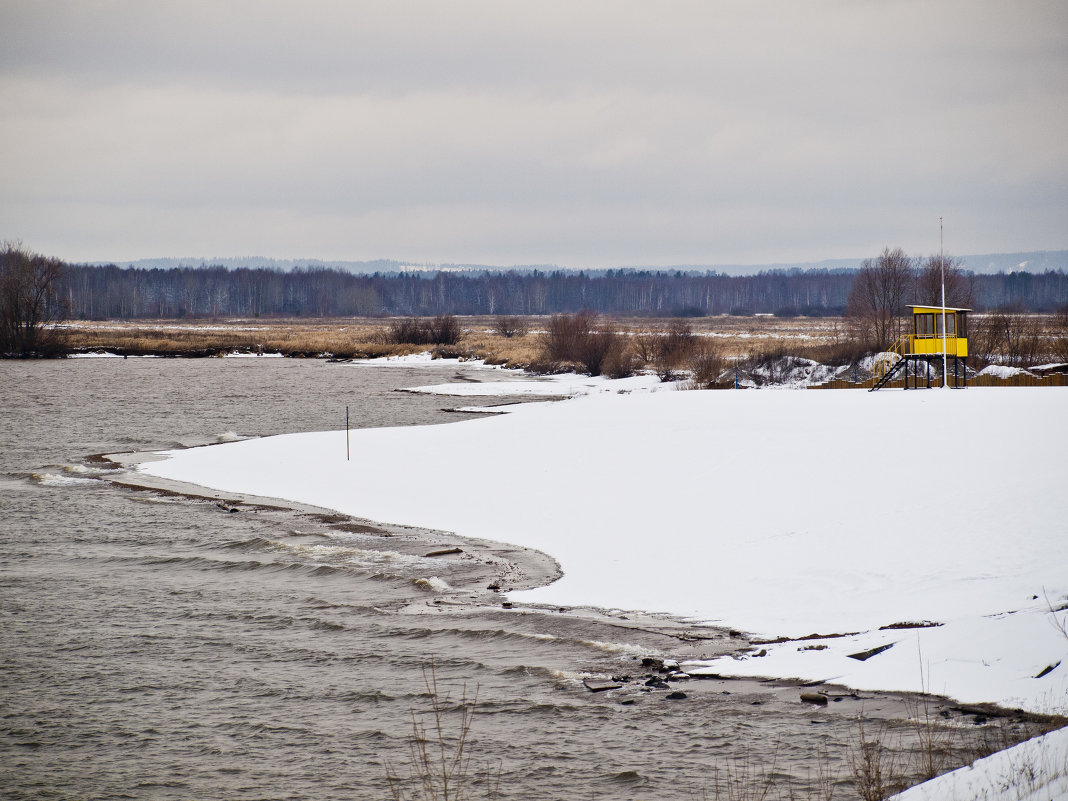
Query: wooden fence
{"points": [[1019, 380]]}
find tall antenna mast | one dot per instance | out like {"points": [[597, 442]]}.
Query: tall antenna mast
{"points": [[942, 269]]}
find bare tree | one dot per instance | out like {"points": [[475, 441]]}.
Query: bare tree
{"points": [[30, 303], [877, 299], [960, 285]]}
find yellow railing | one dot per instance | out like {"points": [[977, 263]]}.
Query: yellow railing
{"points": [[885, 363]]}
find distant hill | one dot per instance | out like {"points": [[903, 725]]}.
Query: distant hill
{"points": [[262, 262], [1038, 261]]}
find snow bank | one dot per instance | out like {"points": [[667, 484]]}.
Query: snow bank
{"points": [[419, 359], [1036, 770], [780, 513], [1002, 371], [868, 362], [793, 372], [564, 385]]}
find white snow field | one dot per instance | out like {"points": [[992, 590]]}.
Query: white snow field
{"points": [[777, 513]]}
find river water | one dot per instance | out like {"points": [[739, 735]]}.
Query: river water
{"points": [[168, 646]]}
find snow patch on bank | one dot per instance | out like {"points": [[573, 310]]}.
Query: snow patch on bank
{"points": [[1002, 371], [566, 385]]}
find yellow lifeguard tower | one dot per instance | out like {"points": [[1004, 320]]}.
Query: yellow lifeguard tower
{"points": [[927, 343]]}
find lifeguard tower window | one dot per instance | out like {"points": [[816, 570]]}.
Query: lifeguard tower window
{"points": [[949, 324], [925, 326]]}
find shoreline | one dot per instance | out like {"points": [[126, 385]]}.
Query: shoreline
{"points": [[509, 567], [637, 679], [276, 568], [610, 558]]}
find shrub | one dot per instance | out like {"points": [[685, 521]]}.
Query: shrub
{"points": [[706, 364], [674, 349], [409, 331], [566, 336], [441, 330], [644, 345], [621, 362], [583, 340], [444, 330], [509, 326]]}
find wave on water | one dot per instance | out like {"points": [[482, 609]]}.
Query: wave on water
{"points": [[347, 554], [252, 544], [46, 479], [616, 647], [323, 559], [237, 565], [630, 778]]}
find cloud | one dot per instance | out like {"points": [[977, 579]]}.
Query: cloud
{"points": [[580, 133]]}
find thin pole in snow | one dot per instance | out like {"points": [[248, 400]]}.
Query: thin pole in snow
{"points": [[942, 268], [346, 433]]}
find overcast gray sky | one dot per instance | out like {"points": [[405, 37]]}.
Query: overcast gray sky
{"points": [[583, 134]]}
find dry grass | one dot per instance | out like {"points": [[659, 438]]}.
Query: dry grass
{"points": [[354, 337], [176, 337], [874, 764], [439, 767], [828, 340]]}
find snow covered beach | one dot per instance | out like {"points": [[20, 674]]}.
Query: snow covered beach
{"points": [[780, 513]]}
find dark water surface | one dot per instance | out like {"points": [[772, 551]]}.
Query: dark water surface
{"points": [[163, 647]]}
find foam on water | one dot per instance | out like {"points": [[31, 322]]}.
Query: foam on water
{"points": [[60, 480], [432, 583]]}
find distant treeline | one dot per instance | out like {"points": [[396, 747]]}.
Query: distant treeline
{"points": [[95, 292]]}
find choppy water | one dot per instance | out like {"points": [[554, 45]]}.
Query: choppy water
{"points": [[163, 647]]}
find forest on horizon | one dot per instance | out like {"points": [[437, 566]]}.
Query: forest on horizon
{"points": [[112, 292]]}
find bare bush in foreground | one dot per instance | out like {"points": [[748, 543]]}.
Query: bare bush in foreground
{"points": [[873, 765]]}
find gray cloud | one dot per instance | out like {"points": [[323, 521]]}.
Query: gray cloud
{"points": [[585, 134]]}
